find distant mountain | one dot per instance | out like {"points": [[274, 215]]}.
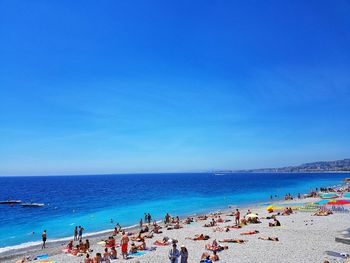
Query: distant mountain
{"points": [[324, 166]]}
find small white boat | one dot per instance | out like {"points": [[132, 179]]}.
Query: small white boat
{"points": [[10, 202], [33, 205]]}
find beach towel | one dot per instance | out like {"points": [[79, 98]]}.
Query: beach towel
{"points": [[137, 254], [43, 256]]}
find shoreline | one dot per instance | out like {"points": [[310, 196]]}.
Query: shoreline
{"points": [[11, 252], [303, 238], [54, 246], [27, 246]]}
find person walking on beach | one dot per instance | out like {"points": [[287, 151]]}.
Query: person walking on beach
{"points": [[141, 224], [44, 237], [237, 215], [124, 243], [146, 217], [174, 254], [75, 233]]}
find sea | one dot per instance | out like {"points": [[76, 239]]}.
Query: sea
{"points": [[98, 202]]}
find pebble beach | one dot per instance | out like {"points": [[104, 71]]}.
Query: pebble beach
{"points": [[302, 236]]}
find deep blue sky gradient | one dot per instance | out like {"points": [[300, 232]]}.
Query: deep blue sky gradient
{"points": [[150, 86]]}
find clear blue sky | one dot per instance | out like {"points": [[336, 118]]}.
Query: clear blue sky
{"points": [[143, 86]]}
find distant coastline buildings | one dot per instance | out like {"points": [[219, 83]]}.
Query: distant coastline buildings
{"points": [[323, 166]]}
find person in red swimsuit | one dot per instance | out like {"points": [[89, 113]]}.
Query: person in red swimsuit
{"points": [[124, 243]]}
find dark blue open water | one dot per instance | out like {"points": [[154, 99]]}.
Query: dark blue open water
{"points": [[92, 201]]}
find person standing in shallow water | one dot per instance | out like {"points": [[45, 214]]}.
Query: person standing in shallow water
{"points": [[75, 233], [44, 237], [81, 229], [149, 217]]}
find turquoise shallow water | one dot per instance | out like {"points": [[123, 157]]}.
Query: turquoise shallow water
{"points": [[92, 201]]}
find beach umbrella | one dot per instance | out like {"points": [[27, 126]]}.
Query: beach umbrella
{"points": [[273, 208], [338, 202], [322, 202]]}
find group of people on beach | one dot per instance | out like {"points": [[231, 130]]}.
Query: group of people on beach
{"points": [[175, 254], [81, 247]]}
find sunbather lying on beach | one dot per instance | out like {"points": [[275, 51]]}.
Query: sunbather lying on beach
{"points": [[144, 230], [249, 233], [287, 211], [166, 241], [271, 217], [21, 260], [161, 243], [269, 238], [206, 259], [188, 220], [234, 226], [323, 212], [213, 257], [176, 226], [138, 238], [202, 217], [253, 220], [214, 246], [232, 240], [211, 224], [221, 229], [275, 223], [199, 237], [219, 220]]}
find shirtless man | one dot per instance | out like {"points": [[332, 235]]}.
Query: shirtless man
{"points": [[237, 217], [124, 243]]}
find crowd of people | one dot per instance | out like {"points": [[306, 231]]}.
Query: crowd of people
{"points": [[147, 229]]}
